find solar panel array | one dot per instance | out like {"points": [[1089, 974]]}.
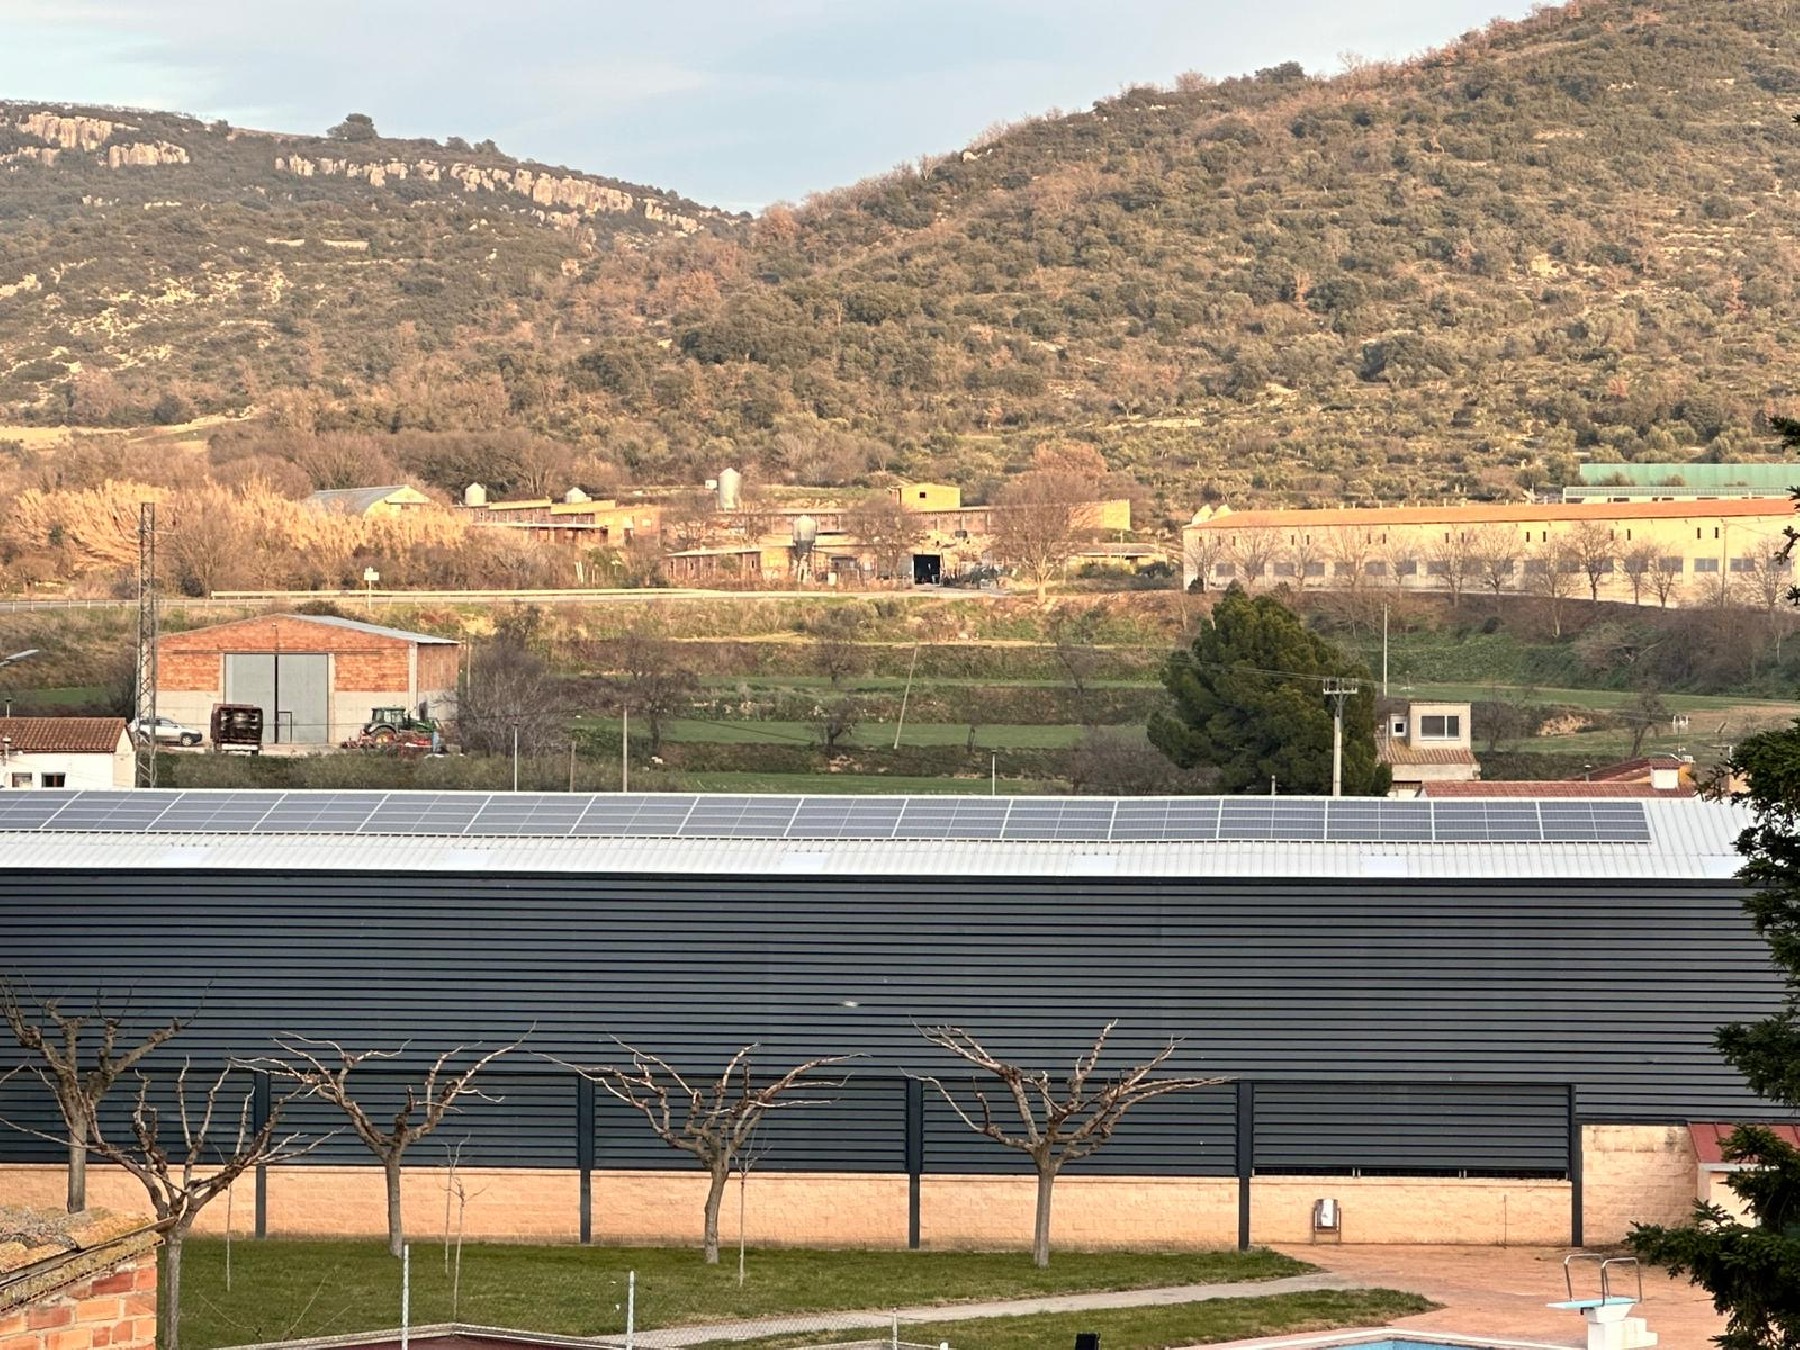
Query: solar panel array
{"points": [[1067, 820]]}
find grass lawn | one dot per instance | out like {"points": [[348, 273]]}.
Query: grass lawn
{"points": [[284, 1289], [1151, 1328]]}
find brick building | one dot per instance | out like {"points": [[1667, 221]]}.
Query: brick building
{"points": [[76, 1281], [316, 677]]}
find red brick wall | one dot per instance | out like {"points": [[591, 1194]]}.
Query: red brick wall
{"points": [[378, 672], [277, 632], [196, 672], [114, 1309], [438, 667]]}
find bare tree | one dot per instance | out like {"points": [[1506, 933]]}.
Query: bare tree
{"points": [[835, 649], [1550, 572], [1253, 550], [77, 1078], [888, 530], [1351, 551], [1592, 547], [508, 696], [1643, 714], [1452, 561], [1057, 1121], [650, 681], [1495, 561], [1665, 580], [1074, 639], [835, 721], [1201, 553], [1638, 562], [183, 1180], [324, 1068], [1036, 522], [715, 1121]]}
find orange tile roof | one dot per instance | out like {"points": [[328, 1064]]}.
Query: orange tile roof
{"points": [[1493, 513], [1398, 752], [1553, 787], [1709, 1138], [62, 735]]}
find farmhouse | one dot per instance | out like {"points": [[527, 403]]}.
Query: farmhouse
{"points": [[1468, 1021], [316, 677], [65, 752]]}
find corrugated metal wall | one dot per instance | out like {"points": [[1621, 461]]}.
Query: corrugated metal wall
{"points": [[1614, 987]]}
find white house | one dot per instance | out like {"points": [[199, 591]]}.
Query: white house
{"points": [[65, 752]]}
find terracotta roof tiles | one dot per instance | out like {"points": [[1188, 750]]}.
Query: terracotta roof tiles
{"points": [[62, 735]]}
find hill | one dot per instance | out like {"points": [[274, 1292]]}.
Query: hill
{"points": [[148, 258], [1564, 236]]}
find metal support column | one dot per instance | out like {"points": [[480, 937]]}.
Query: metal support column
{"points": [[584, 1152], [1575, 1197], [1246, 1156], [915, 1158], [260, 1106]]}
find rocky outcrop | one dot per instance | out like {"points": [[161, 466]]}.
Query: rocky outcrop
{"points": [[70, 133], [145, 154], [43, 154], [566, 198]]}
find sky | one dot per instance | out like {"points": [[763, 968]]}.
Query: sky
{"points": [[736, 103]]}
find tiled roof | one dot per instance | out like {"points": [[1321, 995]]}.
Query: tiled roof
{"points": [[1399, 752], [62, 735], [1628, 769], [1494, 513], [1553, 787], [1709, 1138]]}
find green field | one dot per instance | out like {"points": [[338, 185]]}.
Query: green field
{"points": [[283, 1289], [876, 734]]}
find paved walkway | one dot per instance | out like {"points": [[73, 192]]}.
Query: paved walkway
{"points": [[1501, 1292], [676, 1338]]}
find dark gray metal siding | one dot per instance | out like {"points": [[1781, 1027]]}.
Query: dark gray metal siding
{"points": [[1615, 987]]}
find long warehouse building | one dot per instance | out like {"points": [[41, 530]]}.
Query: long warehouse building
{"points": [[1463, 1020]]}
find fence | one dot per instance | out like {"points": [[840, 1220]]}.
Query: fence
{"points": [[862, 1144]]}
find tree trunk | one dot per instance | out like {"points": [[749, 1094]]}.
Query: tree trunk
{"points": [[1040, 1234], [396, 1231], [169, 1292], [715, 1192], [77, 1164]]}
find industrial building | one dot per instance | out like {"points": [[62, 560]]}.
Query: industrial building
{"points": [[1648, 552], [316, 677], [1465, 1021]]}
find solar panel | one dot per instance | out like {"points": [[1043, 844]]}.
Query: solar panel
{"points": [[1184, 820]]}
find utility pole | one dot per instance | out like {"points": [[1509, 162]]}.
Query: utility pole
{"points": [[146, 646], [625, 749], [1337, 691]]}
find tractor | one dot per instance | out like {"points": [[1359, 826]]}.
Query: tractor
{"points": [[395, 731]]}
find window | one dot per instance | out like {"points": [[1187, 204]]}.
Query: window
{"points": [[1284, 569], [1440, 727], [1400, 727], [1437, 568], [1628, 536], [1315, 569], [1225, 570], [1706, 564], [1671, 564], [54, 780], [922, 494], [1407, 567], [1375, 569], [1696, 531], [1743, 564], [1715, 532]]}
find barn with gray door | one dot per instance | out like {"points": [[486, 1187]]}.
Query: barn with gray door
{"points": [[292, 689], [1466, 992]]}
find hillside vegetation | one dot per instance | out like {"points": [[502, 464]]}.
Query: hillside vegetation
{"points": [[1567, 235]]}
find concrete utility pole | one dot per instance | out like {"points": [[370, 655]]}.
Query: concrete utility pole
{"points": [[145, 741], [1337, 691]]}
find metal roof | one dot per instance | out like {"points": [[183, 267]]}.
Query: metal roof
{"points": [[1248, 837]]}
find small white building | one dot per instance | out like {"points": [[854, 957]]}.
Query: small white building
{"points": [[66, 752], [1427, 743]]}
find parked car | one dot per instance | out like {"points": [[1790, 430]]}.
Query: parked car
{"points": [[168, 732]]}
